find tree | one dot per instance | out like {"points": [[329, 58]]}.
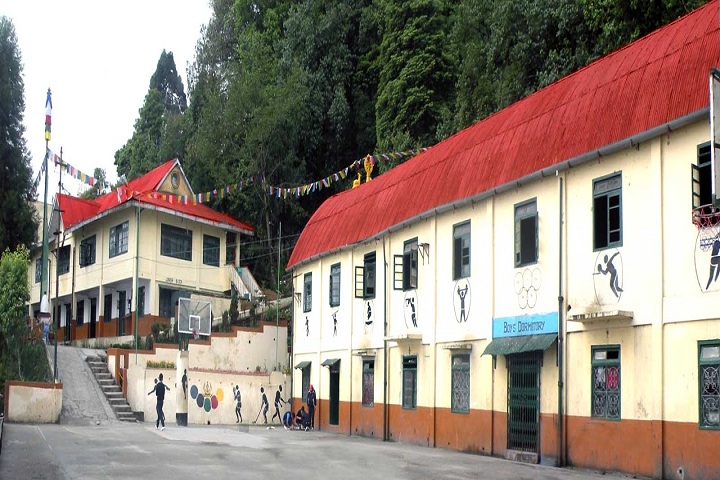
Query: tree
{"points": [[99, 187], [416, 73], [21, 359], [18, 225], [158, 133]]}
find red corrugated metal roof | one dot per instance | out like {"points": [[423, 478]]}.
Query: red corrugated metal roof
{"points": [[654, 80], [76, 210]]}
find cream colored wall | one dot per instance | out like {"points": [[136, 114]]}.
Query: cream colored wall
{"points": [[399, 313], [367, 336], [220, 386], [479, 304], [636, 364], [303, 341], [680, 371], [120, 270], [684, 295], [174, 272], [248, 351], [640, 256], [481, 376], [33, 404], [321, 302]]}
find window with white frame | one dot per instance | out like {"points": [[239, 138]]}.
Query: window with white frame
{"points": [[118, 239]]}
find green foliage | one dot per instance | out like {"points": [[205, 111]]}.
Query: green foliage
{"points": [[233, 312], [158, 133], [18, 222], [160, 364], [97, 189], [21, 358]]}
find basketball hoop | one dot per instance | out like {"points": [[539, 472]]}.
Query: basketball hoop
{"points": [[707, 219]]}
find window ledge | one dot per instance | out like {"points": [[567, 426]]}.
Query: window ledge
{"points": [[589, 317], [404, 337]]}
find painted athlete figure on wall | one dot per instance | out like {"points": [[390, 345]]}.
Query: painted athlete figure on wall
{"points": [[278, 403], [714, 264], [610, 269]]}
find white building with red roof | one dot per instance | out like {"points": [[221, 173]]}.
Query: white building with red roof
{"points": [[132, 253], [535, 286]]}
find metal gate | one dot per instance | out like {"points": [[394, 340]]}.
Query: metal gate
{"points": [[523, 420]]}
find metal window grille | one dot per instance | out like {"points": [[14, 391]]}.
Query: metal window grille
{"points": [[524, 401], [368, 383], [461, 383], [606, 382], [709, 379], [409, 382]]}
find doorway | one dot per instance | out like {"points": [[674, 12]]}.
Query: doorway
{"points": [[523, 420], [334, 417], [93, 317]]}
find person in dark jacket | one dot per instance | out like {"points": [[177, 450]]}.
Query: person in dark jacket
{"points": [[312, 403], [159, 390]]}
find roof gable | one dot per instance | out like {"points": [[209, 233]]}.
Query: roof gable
{"points": [[648, 83], [77, 211]]}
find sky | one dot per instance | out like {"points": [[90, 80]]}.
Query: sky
{"points": [[97, 58]]}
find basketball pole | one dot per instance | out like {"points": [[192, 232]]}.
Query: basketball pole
{"points": [[277, 300]]}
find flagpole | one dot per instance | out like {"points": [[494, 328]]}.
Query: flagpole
{"points": [[45, 251]]}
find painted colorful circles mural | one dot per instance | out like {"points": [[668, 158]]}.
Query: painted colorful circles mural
{"points": [[207, 399]]}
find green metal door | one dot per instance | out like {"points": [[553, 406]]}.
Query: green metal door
{"points": [[523, 401]]}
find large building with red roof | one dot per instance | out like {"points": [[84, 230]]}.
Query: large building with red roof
{"points": [[543, 285], [132, 253]]}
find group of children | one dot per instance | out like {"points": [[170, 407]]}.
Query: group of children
{"points": [[302, 420]]}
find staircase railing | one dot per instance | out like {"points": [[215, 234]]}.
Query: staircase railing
{"points": [[244, 283]]}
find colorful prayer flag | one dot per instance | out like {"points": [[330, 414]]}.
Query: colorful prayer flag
{"points": [[48, 115]]}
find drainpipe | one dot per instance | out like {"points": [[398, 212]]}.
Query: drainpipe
{"points": [[385, 346], [137, 263], [561, 316]]}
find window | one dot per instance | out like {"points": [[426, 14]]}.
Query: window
{"points": [[526, 233], [702, 177], [87, 251], [119, 239], [607, 212], [368, 383], [410, 265], [38, 270], [176, 242], [409, 398], [461, 383], [307, 293], [63, 260], [335, 285], [230, 239], [211, 250], [709, 376], [80, 312], [606, 382], [461, 250], [365, 278]]}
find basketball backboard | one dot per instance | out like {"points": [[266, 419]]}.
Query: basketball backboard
{"points": [[194, 317], [715, 131]]}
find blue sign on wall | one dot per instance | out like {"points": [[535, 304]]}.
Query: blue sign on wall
{"points": [[525, 325]]}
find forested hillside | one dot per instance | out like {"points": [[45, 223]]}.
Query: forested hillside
{"points": [[285, 93]]}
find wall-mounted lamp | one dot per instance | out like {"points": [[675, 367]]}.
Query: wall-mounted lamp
{"points": [[424, 249]]}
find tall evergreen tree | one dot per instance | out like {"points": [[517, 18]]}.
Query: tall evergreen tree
{"points": [[18, 225], [416, 73], [158, 134]]}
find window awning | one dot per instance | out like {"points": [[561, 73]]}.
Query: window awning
{"points": [[331, 362], [525, 343], [303, 365]]}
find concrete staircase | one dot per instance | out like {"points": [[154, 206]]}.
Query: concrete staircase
{"points": [[112, 392]]}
